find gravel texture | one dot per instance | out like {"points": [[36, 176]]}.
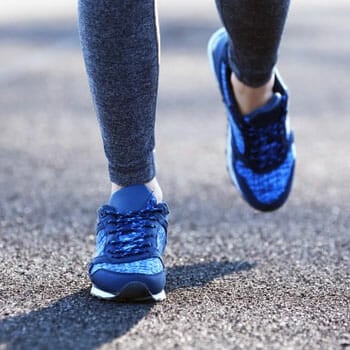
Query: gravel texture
{"points": [[237, 279]]}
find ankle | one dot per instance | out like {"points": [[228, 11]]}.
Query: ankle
{"points": [[250, 98], [153, 185]]}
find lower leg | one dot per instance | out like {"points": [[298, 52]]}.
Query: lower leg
{"points": [[250, 98], [255, 28], [120, 47]]}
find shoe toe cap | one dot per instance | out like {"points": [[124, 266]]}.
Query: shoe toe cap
{"points": [[115, 282], [266, 191]]}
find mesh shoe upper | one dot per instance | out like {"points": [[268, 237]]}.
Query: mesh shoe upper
{"points": [[260, 148], [130, 238]]}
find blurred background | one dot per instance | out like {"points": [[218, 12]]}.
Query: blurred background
{"points": [[45, 99], [53, 178]]}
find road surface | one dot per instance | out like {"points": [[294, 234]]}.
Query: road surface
{"points": [[237, 279]]}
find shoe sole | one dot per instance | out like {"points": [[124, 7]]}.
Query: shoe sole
{"points": [[132, 292], [216, 37]]}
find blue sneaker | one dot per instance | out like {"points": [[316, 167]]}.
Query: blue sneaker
{"points": [[260, 146], [131, 238]]}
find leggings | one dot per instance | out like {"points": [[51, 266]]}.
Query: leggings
{"points": [[120, 48]]}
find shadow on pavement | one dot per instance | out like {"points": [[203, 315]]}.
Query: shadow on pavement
{"points": [[79, 321]]}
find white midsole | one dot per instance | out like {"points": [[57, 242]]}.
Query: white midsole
{"points": [[96, 292], [229, 159]]}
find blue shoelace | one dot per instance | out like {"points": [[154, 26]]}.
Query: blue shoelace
{"points": [[131, 233]]}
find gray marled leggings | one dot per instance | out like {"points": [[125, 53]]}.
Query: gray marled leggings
{"points": [[120, 47]]}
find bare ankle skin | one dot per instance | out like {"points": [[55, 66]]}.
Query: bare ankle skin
{"points": [[153, 185], [249, 98]]}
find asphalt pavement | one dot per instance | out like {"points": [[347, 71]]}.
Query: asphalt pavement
{"points": [[237, 279]]}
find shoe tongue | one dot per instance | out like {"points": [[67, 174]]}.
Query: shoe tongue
{"points": [[267, 109], [131, 198]]}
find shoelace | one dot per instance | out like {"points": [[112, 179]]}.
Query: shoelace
{"points": [[266, 146], [131, 233]]}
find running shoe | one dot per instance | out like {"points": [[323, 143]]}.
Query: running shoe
{"points": [[131, 239], [260, 146]]}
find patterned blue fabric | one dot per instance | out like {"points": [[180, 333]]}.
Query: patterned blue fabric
{"points": [[270, 186], [131, 242], [146, 267]]}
